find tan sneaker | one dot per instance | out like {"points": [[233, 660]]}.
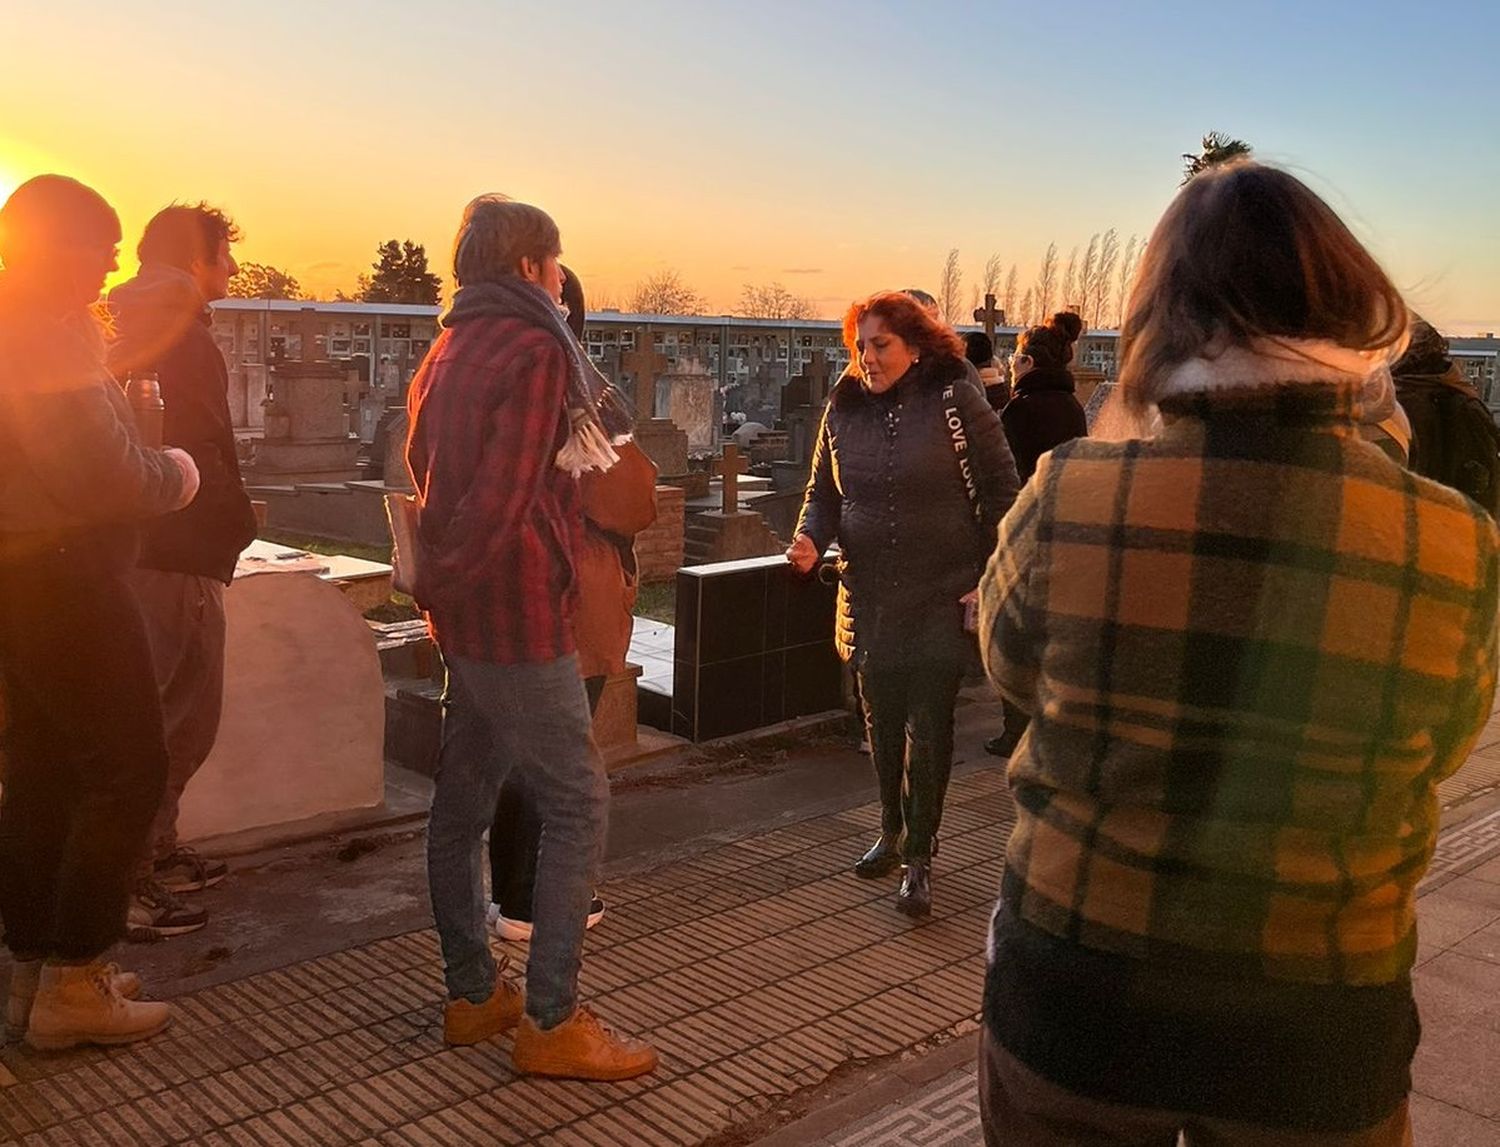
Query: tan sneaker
{"points": [[79, 1003], [465, 1023], [581, 1047], [25, 975]]}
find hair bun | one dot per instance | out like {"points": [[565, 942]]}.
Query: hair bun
{"points": [[1068, 324]]}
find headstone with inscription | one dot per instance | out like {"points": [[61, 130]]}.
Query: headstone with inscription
{"points": [[690, 402]]}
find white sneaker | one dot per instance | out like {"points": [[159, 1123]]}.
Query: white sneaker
{"points": [[519, 931]]}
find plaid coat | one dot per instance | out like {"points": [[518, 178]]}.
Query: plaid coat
{"points": [[1252, 647]]}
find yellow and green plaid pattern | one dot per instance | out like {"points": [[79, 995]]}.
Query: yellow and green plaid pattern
{"points": [[1252, 647]]}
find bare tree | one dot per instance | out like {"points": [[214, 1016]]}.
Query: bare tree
{"points": [[1086, 275], [950, 290], [992, 271], [974, 301], [1102, 286], [1028, 308], [1070, 285], [601, 299], [773, 301], [1012, 287], [1128, 267], [1046, 283], [664, 293]]}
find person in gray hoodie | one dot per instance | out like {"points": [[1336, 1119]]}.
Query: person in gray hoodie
{"points": [[161, 324], [85, 757]]}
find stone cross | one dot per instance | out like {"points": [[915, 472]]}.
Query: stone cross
{"points": [[644, 364], [989, 316], [730, 470], [817, 372]]}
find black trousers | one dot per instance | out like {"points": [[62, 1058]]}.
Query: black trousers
{"points": [[909, 718], [516, 833], [85, 756]]}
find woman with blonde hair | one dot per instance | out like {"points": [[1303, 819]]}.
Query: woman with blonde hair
{"points": [[1252, 646]]}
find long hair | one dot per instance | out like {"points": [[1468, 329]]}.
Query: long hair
{"points": [[1244, 253], [1050, 346], [904, 317]]}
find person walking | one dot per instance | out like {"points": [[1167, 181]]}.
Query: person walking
{"points": [[506, 413], [617, 504], [1252, 646], [162, 324], [85, 755], [911, 476]]}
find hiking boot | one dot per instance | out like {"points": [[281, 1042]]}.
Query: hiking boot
{"points": [[581, 1047], [186, 870], [24, 978], [519, 931], [465, 1022], [157, 914], [78, 1003]]}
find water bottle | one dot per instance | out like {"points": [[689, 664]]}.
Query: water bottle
{"points": [[143, 392]]}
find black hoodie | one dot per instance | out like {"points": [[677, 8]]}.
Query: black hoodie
{"points": [[1042, 414], [162, 324]]}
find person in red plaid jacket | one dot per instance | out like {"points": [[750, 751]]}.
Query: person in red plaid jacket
{"points": [[506, 414]]}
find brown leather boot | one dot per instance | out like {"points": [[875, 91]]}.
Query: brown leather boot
{"points": [[581, 1047], [79, 1003], [26, 976], [465, 1023]]}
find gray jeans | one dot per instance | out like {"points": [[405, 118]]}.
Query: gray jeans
{"points": [[534, 718], [184, 616]]}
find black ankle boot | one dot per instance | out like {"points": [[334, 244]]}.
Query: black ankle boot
{"points": [[915, 897], [881, 860]]}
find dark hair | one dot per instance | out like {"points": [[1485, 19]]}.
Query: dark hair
{"points": [[572, 297], [1248, 252], [922, 297], [904, 318], [1050, 346], [978, 348], [1426, 353], [51, 210], [179, 234]]}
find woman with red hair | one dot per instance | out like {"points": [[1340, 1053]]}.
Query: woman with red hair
{"points": [[911, 475]]}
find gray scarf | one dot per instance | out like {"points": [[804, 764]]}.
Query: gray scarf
{"points": [[600, 417]]}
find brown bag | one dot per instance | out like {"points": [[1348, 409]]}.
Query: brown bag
{"points": [[622, 499]]}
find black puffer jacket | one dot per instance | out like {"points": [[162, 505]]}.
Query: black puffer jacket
{"points": [[1042, 414], [886, 483]]}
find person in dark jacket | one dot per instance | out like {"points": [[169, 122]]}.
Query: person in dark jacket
{"points": [[979, 349], [162, 324], [911, 475], [1043, 411], [1043, 414], [85, 758]]}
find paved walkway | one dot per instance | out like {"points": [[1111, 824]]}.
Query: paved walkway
{"points": [[774, 982]]}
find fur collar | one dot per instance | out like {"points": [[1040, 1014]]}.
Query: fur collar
{"points": [[1269, 362]]}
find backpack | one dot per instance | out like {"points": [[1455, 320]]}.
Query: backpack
{"points": [[1456, 441]]}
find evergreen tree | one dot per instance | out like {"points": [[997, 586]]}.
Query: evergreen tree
{"points": [[400, 275], [1217, 148]]}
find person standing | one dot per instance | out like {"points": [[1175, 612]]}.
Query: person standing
{"points": [[162, 324], [617, 504], [1252, 646], [506, 413], [85, 755], [1043, 413], [979, 349], [911, 476]]}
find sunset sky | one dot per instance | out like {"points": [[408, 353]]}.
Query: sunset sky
{"points": [[833, 146]]}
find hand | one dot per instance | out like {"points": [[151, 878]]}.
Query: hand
{"points": [[970, 598], [803, 554], [189, 470]]}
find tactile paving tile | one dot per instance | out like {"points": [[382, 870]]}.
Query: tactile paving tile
{"points": [[758, 967]]}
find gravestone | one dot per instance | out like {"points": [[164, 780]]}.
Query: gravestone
{"points": [[729, 533], [644, 364], [690, 402], [666, 444], [307, 436], [988, 317], [810, 388], [753, 646]]}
